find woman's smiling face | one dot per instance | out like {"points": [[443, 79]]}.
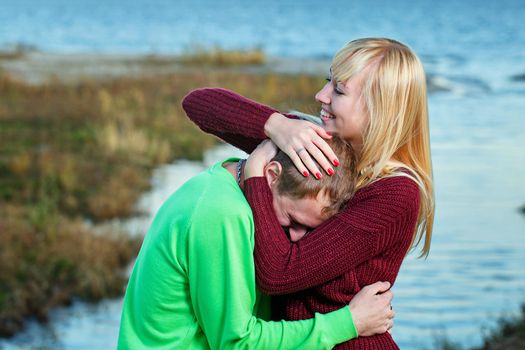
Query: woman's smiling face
{"points": [[342, 109]]}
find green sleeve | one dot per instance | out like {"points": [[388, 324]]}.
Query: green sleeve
{"points": [[222, 288]]}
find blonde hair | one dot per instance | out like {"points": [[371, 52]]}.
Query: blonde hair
{"points": [[396, 139]]}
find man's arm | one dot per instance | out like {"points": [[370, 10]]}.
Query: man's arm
{"points": [[222, 287]]}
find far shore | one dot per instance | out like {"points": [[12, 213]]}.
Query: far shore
{"points": [[37, 67]]}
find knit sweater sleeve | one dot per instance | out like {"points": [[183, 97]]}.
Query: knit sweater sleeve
{"points": [[229, 116], [378, 217]]}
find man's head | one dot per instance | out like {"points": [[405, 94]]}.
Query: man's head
{"points": [[302, 204]]}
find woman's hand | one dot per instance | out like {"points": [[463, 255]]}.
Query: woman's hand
{"points": [[258, 159], [372, 309], [301, 140]]}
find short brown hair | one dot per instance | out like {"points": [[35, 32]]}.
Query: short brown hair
{"points": [[339, 187]]}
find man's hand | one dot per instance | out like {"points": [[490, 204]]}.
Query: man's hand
{"points": [[259, 158], [371, 309]]}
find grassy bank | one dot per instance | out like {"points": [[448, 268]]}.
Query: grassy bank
{"points": [[74, 155]]}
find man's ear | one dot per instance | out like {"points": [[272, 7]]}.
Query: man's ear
{"points": [[272, 172]]}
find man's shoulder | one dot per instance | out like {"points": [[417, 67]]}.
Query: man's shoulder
{"points": [[222, 204], [215, 193], [220, 213]]}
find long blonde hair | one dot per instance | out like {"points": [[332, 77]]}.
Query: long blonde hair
{"points": [[396, 141]]}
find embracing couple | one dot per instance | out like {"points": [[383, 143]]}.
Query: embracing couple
{"points": [[316, 217]]}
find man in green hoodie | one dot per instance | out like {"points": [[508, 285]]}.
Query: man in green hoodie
{"points": [[193, 284]]}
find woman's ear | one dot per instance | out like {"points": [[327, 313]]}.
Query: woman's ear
{"points": [[272, 172]]}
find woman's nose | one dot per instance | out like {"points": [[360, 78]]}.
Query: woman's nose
{"points": [[323, 95]]}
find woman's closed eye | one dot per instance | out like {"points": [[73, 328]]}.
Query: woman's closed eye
{"points": [[336, 89]]}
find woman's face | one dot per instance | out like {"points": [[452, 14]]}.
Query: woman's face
{"points": [[342, 109]]}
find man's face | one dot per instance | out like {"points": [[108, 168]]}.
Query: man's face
{"points": [[299, 215]]}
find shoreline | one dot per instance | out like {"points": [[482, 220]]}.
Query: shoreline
{"points": [[37, 67]]}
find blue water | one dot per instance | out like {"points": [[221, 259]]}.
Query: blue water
{"points": [[471, 48], [292, 28]]}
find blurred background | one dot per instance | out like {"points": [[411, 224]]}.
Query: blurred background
{"points": [[93, 139]]}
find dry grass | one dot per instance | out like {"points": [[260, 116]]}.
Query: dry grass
{"points": [[220, 57], [85, 151], [47, 266]]}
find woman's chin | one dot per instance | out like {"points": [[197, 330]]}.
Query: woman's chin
{"points": [[329, 126]]}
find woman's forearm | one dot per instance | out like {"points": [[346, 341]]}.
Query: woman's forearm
{"points": [[229, 116], [375, 220]]}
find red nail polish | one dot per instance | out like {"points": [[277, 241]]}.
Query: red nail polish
{"points": [[305, 173], [317, 176], [336, 162], [330, 171], [329, 134]]}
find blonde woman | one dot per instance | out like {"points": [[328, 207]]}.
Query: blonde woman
{"points": [[375, 98]]}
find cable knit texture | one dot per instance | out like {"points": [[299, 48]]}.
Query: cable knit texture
{"points": [[364, 243]]}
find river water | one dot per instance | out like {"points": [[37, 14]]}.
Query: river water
{"points": [[473, 50]]}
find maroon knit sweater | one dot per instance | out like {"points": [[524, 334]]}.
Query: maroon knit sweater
{"points": [[364, 243]]}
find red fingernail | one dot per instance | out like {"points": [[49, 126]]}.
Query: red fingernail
{"points": [[329, 134], [317, 176], [305, 173], [330, 171], [336, 162]]}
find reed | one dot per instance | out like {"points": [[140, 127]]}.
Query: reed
{"points": [[218, 56]]}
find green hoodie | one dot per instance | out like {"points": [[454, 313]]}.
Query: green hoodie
{"points": [[193, 284]]}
